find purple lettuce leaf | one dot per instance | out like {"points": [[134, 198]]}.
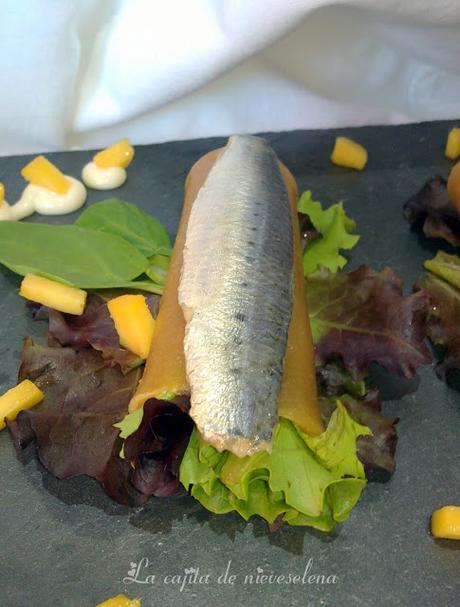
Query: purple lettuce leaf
{"points": [[333, 380], [73, 426], [363, 317], [443, 322], [308, 232], [431, 211], [95, 328], [156, 448]]}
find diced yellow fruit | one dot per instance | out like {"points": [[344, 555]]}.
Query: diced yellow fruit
{"points": [[40, 171], [23, 396], [119, 154], [53, 294], [134, 323], [348, 153], [2, 193], [453, 144], [453, 186], [120, 601], [445, 523]]}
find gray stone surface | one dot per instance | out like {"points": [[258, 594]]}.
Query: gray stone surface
{"points": [[65, 543]]}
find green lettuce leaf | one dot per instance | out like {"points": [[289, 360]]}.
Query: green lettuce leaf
{"points": [[130, 423], [306, 480], [363, 403], [445, 266], [127, 426], [334, 228]]}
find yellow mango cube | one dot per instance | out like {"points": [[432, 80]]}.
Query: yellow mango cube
{"points": [[445, 523], [2, 193], [453, 186], [119, 154], [348, 153], [40, 171], [453, 144], [134, 323], [23, 396], [53, 294], [120, 600]]}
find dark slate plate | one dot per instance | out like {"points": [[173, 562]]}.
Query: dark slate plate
{"points": [[65, 543]]}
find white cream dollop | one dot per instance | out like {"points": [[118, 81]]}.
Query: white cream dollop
{"points": [[100, 178], [5, 211], [38, 199]]}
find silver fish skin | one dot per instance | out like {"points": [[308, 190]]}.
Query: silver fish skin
{"points": [[236, 295]]}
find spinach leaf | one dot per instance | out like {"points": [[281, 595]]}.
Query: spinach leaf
{"points": [[71, 254], [143, 285], [128, 221], [158, 268]]}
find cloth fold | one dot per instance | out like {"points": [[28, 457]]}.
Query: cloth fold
{"points": [[81, 73]]}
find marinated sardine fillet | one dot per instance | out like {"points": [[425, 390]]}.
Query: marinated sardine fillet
{"points": [[236, 294]]}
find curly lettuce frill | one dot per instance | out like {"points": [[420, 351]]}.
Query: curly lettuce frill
{"points": [[313, 481]]}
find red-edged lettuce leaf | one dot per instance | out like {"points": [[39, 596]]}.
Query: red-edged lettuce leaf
{"points": [[333, 380], [443, 322], [156, 448], [95, 328], [73, 426], [431, 211], [377, 451], [363, 317]]}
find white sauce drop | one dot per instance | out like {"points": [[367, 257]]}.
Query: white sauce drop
{"points": [[100, 178], [5, 211], [46, 202]]}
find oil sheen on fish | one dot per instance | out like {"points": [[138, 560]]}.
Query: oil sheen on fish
{"points": [[236, 294]]}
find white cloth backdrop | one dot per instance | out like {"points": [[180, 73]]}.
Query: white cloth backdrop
{"points": [[80, 73]]}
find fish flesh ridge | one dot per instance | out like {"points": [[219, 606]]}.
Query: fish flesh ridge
{"points": [[236, 294]]}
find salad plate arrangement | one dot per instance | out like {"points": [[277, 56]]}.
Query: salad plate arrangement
{"points": [[369, 330]]}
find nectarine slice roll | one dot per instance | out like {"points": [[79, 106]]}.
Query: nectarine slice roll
{"points": [[165, 372]]}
